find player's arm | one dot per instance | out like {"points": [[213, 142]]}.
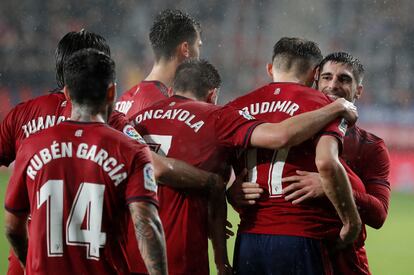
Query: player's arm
{"points": [[297, 129], [372, 204], [217, 217], [180, 175], [16, 233], [150, 236], [336, 186]]}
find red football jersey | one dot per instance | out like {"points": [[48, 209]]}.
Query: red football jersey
{"points": [[141, 96], [75, 180], [35, 115], [273, 214], [201, 135], [367, 156], [28, 118], [41, 113]]}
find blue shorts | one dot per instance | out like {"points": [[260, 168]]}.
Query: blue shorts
{"points": [[285, 255]]}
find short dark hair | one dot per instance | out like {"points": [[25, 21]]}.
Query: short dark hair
{"points": [[88, 74], [197, 77], [170, 28], [75, 41], [347, 59], [298, 53]]}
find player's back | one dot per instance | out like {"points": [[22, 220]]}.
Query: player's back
{"points": [[141, 96], [273, 214], [28, 118], [200, 134], [79, 178]]}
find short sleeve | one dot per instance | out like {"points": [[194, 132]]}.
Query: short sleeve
{"points": [[234, 127], [337, 129], [7, 140], [141, 184], [17, 198], [119, 122]]}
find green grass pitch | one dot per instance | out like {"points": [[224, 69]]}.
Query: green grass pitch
{"points": [[390, 249]]}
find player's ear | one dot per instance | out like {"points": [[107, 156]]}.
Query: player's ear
{"points": [[212, 96], [184, 49], [111, 93], [66, 93], [170, 92], [359, 91], [269, 68]]}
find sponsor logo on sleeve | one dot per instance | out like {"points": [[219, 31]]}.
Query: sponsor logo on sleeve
{"points": [[343, 126], [149, 178], [132, 133], [246, 115]]}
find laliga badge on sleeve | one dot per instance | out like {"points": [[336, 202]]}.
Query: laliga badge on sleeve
{"points": [[132, 133], [149, 178], [343, 126]]}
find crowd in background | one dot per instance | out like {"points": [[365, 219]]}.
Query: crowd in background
{"points": [[237, 38]]}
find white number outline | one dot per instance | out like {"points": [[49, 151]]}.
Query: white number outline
{"points": [[275, 172], [90, 197], [163, 140]]}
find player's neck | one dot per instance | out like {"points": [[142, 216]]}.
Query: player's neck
{"points": [[188, 95], [289, 77], [85, 114], [163, 71]]}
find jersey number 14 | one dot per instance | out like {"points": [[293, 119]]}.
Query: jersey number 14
{"points": [[87, 206]]}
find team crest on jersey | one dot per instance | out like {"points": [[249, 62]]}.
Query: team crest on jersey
{"points": [[79, 133], [132, 133], [149, 178], [343, 126], [246, 115]]}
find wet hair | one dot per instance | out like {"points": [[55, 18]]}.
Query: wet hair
{"points": [[347, 59], [88, 74], [171, 28], [197, 77], [75, 41], [296, 53]]}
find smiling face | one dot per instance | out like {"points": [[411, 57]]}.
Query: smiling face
{"points": [[337, 79]]}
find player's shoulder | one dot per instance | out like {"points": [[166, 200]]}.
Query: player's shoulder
{"points": [[48, 101], [144, 86], [366, 137]]}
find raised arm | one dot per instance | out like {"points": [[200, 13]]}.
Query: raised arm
{"points": [[150, 236], [297, 129], [337, 188], [16, 233]]}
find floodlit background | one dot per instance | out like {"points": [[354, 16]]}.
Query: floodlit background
{"points": [[238, 37]]}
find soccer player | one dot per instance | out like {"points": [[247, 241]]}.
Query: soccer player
{"points": [[174, 36], [340, 74], [75, 184], [187, 126], [48, 110], [293, 232]]}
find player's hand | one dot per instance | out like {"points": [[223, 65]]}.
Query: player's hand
{"points": [[349, 233], [243, 193], [303, 186], [350, 112], [229, 232]]}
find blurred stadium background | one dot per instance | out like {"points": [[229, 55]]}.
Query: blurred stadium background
{"points": [[238, 37]]}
